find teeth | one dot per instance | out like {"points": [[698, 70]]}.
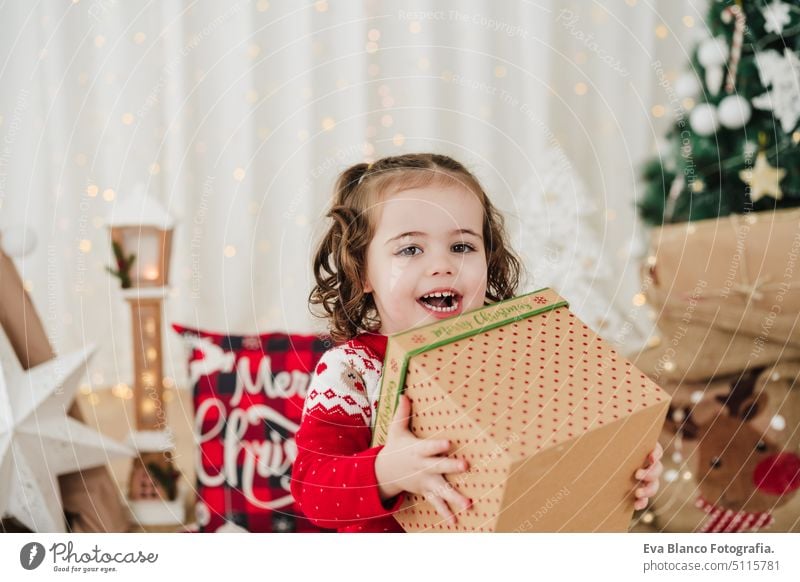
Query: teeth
{"points": [[450, 309], [440, 294]]}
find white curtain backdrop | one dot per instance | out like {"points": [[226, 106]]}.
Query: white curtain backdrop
{"points": [[237, 116]]}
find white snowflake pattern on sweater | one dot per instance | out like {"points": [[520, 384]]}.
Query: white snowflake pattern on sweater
{"points": [[346, 380]]}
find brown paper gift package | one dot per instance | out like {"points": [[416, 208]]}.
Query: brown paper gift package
{"points": [[740, 273], [552, 420], [692, 351]]}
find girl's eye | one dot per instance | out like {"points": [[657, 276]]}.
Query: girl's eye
{"points": [[408, 251], [463, 248]]}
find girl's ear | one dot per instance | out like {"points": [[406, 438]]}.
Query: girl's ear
{"points": [[366, 287]]}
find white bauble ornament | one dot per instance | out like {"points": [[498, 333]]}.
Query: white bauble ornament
{"points": [[713, 52], [687, 85], [734, 111], [703, 119], [17, 241]]}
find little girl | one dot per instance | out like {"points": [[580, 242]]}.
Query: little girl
{"points": [[414, 239]]}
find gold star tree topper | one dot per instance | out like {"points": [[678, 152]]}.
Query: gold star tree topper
{"points": [[763, 179]]}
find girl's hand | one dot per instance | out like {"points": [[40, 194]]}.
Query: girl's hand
{"points": [[407, 463], [648, 477]]}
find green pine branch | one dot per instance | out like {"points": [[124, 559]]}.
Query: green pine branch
{"points": [[124, 265]]}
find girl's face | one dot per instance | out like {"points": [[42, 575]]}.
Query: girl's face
{"points": [[426, 261]]}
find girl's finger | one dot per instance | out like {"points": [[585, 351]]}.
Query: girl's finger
{"points": [[640, 504], [656, 454], [655, 471], [456, 500], [441, 507], [651, 473], [446, 465], [648, 490], [432, 447]]}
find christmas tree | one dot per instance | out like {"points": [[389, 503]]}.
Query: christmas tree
{"points": [[735, 144]]}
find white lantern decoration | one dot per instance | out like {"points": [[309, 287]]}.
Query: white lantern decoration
{"points": [[734, 111], [141, 226], [704, 120]]}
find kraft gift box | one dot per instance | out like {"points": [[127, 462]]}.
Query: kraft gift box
{"points": [[552, 420]]}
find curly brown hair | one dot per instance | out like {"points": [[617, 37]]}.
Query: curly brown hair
{"points": [[340, 258]]}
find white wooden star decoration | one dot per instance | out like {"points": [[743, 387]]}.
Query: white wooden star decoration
{"points": [[782, 74], [776, 16], [39, 441], [763, 179]]}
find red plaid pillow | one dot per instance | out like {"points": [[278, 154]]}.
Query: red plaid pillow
{"points": [[248, 401]]}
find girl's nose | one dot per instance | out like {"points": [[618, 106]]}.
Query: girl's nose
{"points": [[442, 264]]}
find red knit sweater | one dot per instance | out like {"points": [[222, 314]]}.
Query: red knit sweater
{"points": [[333, 476]]}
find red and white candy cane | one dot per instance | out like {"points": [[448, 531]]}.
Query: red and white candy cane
{"points": [[736, 14]]}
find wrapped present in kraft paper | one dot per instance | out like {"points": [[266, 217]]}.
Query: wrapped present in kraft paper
{"points": [[692, 351], [551, 419], [740, 273]]}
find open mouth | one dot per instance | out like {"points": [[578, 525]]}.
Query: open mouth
{"points": [[442, 301]]}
